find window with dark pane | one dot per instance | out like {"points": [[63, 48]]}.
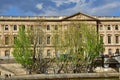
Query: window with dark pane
{"points": [[117, 39], [15, 27], [15, 37], [48, 27], [109, 51], [23, 27], [6, 40], [6, 27], [40, 40], [7, 53], [109, 39], [108, 28], [48, 39], [31, 27], [56, 27], [116, 27], [101, 37], [48, 52]]}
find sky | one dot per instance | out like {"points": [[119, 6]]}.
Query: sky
{"points": [[59, 7]]}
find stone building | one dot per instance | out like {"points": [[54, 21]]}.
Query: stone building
{"points": [[108, 28]]}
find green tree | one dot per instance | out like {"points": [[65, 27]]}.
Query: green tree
{"points": [[22, 52], [79, 44], [38, 43], [93, 44]]}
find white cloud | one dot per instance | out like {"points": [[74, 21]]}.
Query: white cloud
{"points": [[60, 2], [39, 6], [107, 8]]}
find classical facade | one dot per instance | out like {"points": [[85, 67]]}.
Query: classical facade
{"points": [[107, 27]]}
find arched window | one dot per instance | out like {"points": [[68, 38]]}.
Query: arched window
{"points": [[109, 51], [117, 51]]}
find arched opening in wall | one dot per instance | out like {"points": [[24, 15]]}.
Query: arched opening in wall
{"points": [[109, 51], [117, 52]]}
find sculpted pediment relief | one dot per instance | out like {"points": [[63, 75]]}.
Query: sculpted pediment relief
{"points": [[80, 16]]}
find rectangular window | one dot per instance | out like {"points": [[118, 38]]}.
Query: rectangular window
{"points": [[116, 39], [40, 40], [6, 27], [101, 37], [101, 27], [109, 39], [48, 52], [108, 28], [48, 27], [7, 53], [23, 27], [116, 27], [109, 51], [40, 55], [15, 27], [6, 40], [15, 39], [31, 27], [56, 27], [48, 39]]}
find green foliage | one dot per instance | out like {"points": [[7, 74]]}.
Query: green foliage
{"points": [[22, 52], [93, 45], [80, 42]]}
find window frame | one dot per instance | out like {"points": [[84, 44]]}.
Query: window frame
{"points": [[6, 27], [48, 27], [15, 27], [7, 53], [109, 39], [48, 52]]}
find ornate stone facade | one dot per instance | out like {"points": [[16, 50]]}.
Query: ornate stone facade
{"points": [[108, 28]]}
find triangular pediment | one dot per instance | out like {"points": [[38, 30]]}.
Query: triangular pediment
{"points": [[80, 16]]}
